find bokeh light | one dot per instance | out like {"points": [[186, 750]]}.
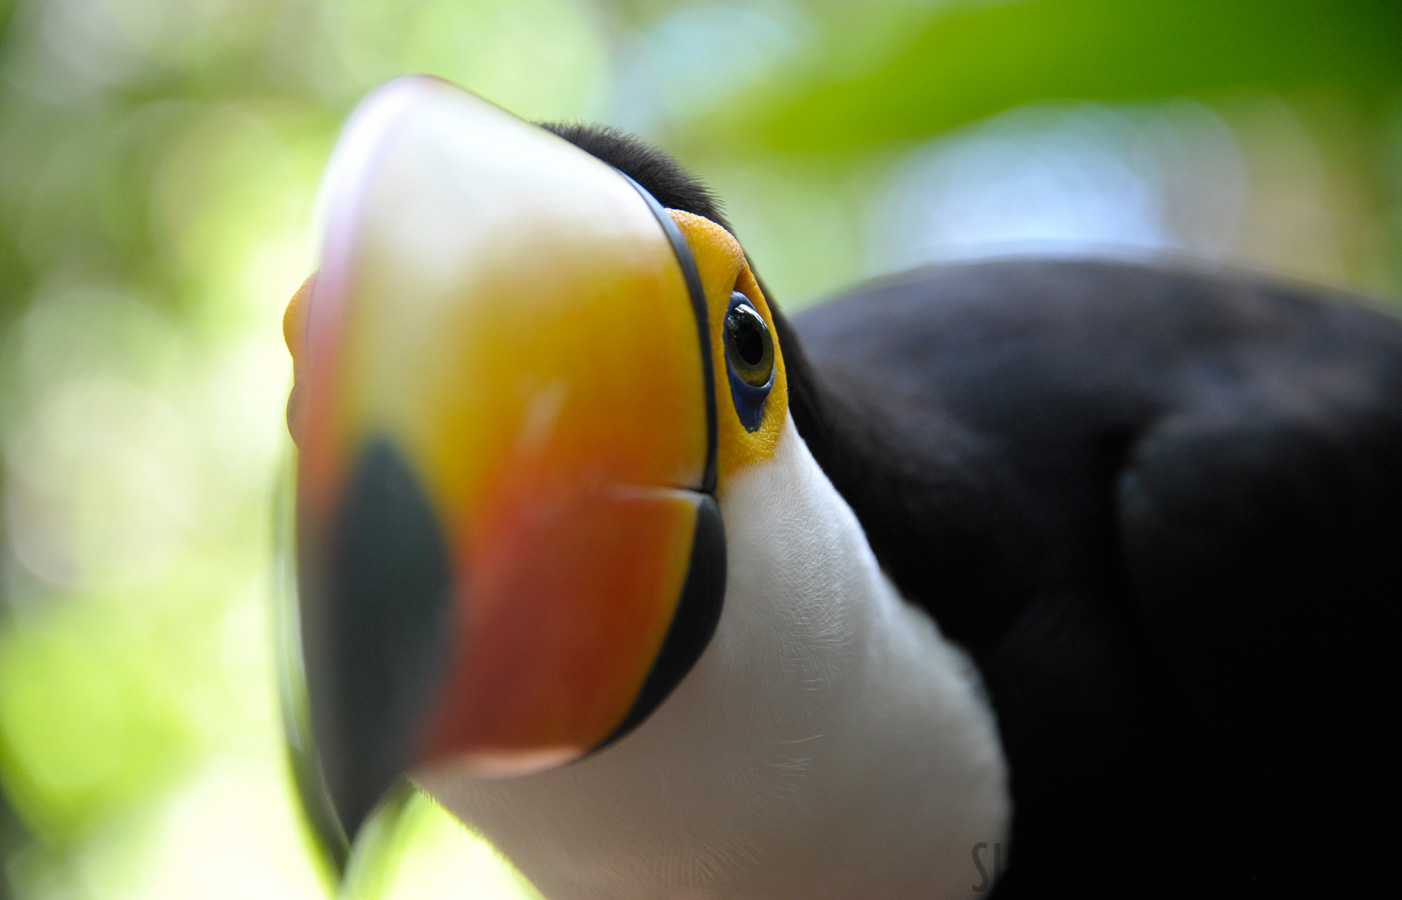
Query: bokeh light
{"points": [[160, 165]]}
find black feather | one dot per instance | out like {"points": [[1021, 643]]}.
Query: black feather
{"points": [[1160, 507], [662, 176]]}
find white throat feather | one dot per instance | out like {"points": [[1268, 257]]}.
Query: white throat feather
{"points": [[829, 743]]}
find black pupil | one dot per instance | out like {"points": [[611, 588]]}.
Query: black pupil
{"points": [[746, 334]]}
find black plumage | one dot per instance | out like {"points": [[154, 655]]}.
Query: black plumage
{"points": [[1161, 507], [673, 186]]}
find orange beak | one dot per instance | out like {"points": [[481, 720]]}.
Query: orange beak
{"points": [[508, 552]]}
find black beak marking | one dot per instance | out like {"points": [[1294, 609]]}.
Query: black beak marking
{"points": [[694, 622], [376, 657]]}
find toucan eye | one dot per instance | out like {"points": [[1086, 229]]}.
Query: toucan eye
{"points": [[749, 357]]}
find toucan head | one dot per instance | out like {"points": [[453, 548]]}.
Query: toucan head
{"points": [[521, 387]]}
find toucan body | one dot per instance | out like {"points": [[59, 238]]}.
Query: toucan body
{"points": [[1022, 578]]}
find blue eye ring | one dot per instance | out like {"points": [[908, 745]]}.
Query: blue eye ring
{"points": [[749, 359]]}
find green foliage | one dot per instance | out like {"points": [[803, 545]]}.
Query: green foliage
{"points": [[978, 59]]}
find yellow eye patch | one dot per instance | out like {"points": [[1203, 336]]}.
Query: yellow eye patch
{"points": [[721, 263]]}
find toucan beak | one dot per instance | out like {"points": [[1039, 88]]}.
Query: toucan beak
{"points": [[507, 548]]}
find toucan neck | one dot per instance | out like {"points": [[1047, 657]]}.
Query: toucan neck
{"points": [[827, 728], [917, 478]]}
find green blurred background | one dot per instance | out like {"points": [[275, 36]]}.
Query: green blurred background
{"points": [[158, 165]]}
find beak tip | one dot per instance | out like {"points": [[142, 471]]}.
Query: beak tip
{"points": [[375, 621], [328, 835]]}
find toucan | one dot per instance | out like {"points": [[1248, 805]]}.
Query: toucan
{"points": [[1030, 577]]}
